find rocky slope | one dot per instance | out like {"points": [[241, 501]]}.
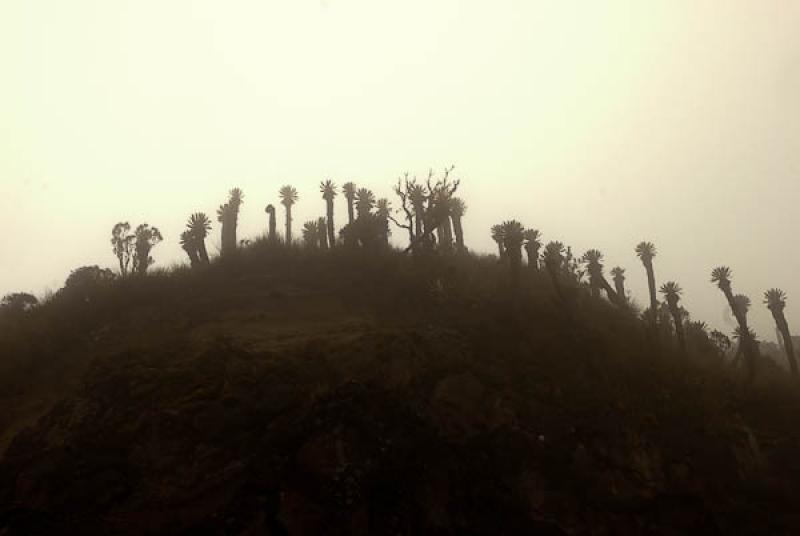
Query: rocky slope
{"points": [[280, 406]]}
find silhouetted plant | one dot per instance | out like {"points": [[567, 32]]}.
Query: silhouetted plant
{"points": [[199, 225], [418, 196], [697, 337], [289, 197], [235, 201], [146, 239], [672, 293], [367, 229], [743, 303], [664, 318], [721, 275], [349, 190], [435, 213], [721, 342], [224, 213], [747, 342], [88, 276], [457, 210], [322, 231], [513, 236], [122, 244], [618, 275], [228, 216], [553, 258], [571, 268], [775, 300], [497, 236], [311, 234], [82, 283], [365, 202], [646, 251], [189, 245], [329, 192], [272, 235], [532, 246], [18, 302], [402, 189], [444, 229], [382, 212], [593, 259]]}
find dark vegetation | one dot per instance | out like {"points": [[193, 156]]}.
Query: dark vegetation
{"points": [[347, 387]]}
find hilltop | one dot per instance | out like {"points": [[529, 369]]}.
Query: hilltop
{"points": [[355, 391]]}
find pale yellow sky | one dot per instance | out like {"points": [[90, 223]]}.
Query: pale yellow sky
{"points": [[600, 123]]}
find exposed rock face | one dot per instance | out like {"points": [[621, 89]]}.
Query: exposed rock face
{"points": [[377, 432]]}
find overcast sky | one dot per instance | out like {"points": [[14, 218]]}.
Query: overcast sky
{"points": [[600, 123]]}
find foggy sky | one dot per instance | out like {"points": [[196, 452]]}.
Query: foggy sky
{"points": [[600, 123]]}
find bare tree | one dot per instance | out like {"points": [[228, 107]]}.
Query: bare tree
{"points": [[436, 213]]}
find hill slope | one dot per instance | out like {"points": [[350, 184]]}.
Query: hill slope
{"points": [[301, 393]]}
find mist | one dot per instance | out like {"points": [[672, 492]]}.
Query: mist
{"points": [[363, 267], [600, 125]]}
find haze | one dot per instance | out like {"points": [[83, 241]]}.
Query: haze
{"points": [[601, 124]]}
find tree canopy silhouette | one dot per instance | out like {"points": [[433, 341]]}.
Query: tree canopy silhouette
{"points": [[123, 245], [146, 239], [18, 302]]}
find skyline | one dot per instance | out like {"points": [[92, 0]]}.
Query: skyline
{"points": [[600, 125]]}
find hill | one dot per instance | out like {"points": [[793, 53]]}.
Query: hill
{"points": [[369, 392]]}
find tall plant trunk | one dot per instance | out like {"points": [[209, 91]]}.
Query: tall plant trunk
{"points": [[350, 215], [594, 286], [385, 231], [532, 258], [554, 270], [228, 232], [459, 232], [676, 318], [426, 239], [501, 251], [201, 250], [651, 285], [144, 260], [745, 341], [613, 296], [193, 258], [619, 285], [223, 233], [738, 355], [288, 225], [273, 235], [323, 236], [440, 235], [331, 229], [419, 218], [429, 227], [515, 263], [122, 271], [447, 227], [788, 344], [234, 223]]}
